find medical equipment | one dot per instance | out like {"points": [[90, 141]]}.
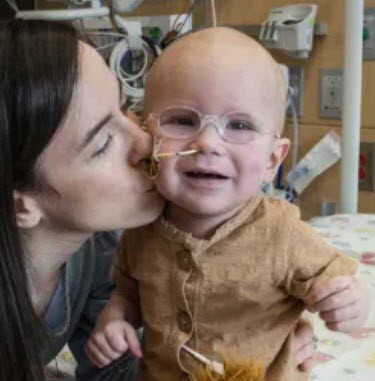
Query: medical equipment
{"points": [[13, 5], [156, 155], [323, 155], [133, 47], [291, 105], [126, 5], [214, 15], [216, 366], [286, 194], [280, 190], [71, 14], [231, 370], [63, 15], [290, 29], [77, 11], [180, 153], [130, 55]]}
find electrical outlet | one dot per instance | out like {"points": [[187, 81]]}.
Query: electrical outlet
{"points": [[331, 88], [296, 83], [366, 167]]}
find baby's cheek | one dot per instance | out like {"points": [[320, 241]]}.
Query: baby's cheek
{"points": [[166, 144], [254, 171], [167, 165], [165, 178]]}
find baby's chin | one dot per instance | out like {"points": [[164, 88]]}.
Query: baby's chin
{"points": [[201, 209]]}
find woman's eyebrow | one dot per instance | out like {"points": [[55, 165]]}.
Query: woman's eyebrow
{"points": [[93, 131]]}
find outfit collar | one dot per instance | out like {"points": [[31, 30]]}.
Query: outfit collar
{"points": [[170, 232]]}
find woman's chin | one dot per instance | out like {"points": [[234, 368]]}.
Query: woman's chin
{"points": [[152, 208]]}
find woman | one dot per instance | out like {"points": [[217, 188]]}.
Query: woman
{"points": [[70, 167]]}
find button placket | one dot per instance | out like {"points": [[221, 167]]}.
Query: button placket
{"points": [[185, 260], [184, 377], [184, 322]]}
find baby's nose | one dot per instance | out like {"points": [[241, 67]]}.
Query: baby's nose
{"points": [[209, 140]]}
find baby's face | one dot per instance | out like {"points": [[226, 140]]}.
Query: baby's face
{"points": [[222, 175]]}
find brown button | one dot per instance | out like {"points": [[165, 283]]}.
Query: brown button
{"points": [[184, 377], [185, 260], [184, 322]]}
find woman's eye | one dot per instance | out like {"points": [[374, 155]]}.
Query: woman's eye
{"points": [[240, 125], [104, 148]]}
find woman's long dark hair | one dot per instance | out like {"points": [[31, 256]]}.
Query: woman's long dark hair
{"points": [[38, 73]]}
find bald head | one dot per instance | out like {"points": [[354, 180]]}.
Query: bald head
{"points": [[217, 62]]}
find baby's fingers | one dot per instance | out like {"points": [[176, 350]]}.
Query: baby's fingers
{"points": [[341, 299], [132, 340], [117, 342], [346, 326], [96, 355], [333, 286], [350, 312]]}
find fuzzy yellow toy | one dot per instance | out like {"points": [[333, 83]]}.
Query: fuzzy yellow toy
{"points": [[231, 370]]}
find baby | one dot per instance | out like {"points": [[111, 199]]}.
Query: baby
{"points": [[225, 270]]}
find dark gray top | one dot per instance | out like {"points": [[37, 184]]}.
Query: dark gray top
{"points": [[84, 288]]}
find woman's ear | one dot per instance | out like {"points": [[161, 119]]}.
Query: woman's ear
{"points": [[28, 212], [278, 154]]}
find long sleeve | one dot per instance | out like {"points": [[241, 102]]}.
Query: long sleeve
{"points": [[310, 260], [126, 285]]}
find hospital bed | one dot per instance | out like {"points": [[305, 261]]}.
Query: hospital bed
{"points": [[342, 357]]}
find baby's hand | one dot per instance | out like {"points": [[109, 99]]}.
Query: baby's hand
{"points": [[110, 340], [343, 303]]}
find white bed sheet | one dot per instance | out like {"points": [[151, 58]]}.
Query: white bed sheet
{"points": [[343, 357]]}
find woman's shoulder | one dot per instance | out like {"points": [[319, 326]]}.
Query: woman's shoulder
{"points": [[102, 243], [96, 254], [106, 242]]}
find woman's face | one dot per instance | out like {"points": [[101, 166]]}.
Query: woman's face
{"points": [[93, 165]]}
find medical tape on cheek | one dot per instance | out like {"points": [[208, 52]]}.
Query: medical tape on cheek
{"points": [[154, 160]]}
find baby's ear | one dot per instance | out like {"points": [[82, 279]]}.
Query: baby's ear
{"points": [[278, 154]]}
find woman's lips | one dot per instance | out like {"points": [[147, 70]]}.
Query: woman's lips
{"points": [[150, 188]]}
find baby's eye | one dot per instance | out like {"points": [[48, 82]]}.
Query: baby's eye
{"points": [[180, 120], [240, 125], [185, 121]]}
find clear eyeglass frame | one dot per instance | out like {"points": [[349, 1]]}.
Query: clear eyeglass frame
{"points": [[221, 123]]}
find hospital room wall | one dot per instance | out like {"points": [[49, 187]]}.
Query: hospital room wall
{"points": [[328, 53]]}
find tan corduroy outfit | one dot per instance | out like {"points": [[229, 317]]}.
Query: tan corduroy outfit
{"points": [[235, 294]]}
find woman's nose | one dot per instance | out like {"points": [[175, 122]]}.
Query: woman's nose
{"points": [[142, 146]]}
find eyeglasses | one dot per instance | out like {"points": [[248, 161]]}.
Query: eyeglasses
{"points": [[185, 122]]}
